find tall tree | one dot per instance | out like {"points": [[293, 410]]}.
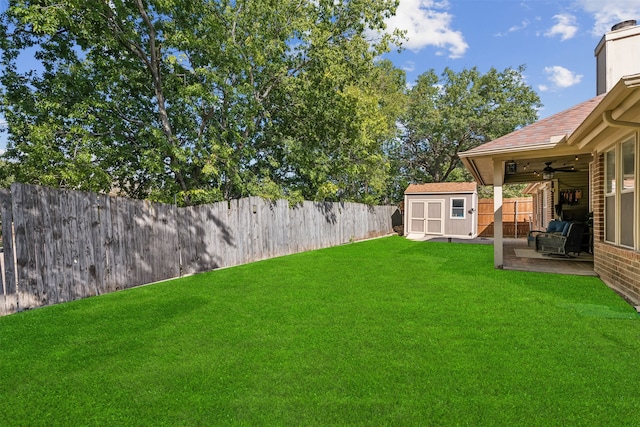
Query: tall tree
{"points": [[459, 111], [343, 160], [185, 97]]}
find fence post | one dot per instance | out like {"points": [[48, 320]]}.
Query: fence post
{"points": [[515, 215]]}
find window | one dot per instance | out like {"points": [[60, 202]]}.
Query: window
{"points": [[620, 221], [457, 208], [610, 196], [627, 193]]}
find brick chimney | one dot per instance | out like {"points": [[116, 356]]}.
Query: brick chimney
{"points": [[617, 55]]}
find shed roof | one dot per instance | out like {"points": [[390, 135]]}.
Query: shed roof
{"points": [[441, 187]]}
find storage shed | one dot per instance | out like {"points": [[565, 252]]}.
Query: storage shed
{"points": [[444, 209]]}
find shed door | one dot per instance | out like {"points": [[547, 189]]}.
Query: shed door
{"points": [[427, 217], [417, 218], [435, 217]]}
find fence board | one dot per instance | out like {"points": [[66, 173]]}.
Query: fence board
{"points": [[9, 297], [69, 249], [21, 248], [51, 267], [117, 245], [106, 238]]}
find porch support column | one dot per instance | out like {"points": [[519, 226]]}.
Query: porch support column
{"points": [[498, 177]]}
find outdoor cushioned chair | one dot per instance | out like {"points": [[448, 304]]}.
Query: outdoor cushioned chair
{"points": [[561, 243], [555, 227]]}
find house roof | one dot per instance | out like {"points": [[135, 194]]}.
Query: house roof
{"points": [[614, 117], [542, 140], [442, 187], [549, 131]]}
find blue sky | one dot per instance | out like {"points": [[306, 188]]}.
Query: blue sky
{"points": [[555, 40]]}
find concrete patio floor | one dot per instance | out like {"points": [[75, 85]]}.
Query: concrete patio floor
{"points": [[547, 265], [513, 262]]}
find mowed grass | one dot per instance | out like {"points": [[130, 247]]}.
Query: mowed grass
{"points": [[383, 332]]}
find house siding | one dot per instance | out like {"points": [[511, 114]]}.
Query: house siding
{"points": [[618, 267]]}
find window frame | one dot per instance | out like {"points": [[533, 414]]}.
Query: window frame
{"points": [[621, 178], [617, 191], [610, 192], [464, 208]]}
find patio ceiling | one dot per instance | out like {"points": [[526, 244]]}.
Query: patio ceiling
{"points": [[529, 169]]}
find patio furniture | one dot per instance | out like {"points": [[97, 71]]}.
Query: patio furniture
{"points": [[561, 243], [556, 227]]}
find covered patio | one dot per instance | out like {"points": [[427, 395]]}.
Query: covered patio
{"points": [[538, 154], [599, 138]]}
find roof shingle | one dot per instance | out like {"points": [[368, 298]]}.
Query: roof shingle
{"points": [[541, 132]]}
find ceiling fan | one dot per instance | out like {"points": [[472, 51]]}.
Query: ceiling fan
{"points": [[548, 171]]}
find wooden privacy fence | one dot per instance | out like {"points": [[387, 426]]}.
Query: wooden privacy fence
{"points": [[62, 245], [516, 216]]}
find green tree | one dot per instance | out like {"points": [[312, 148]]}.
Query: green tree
{"points": [[342, 159], [197, 98], [457, 112]]}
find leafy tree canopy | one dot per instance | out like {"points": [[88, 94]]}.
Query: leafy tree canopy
{"points": [[207, 100], [459, 111]]}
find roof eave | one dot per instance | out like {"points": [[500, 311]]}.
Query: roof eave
{"points": [[587, 131], [471, 167], [522, 149]]}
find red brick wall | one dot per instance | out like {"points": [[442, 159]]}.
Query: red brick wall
{"points": [[542, 217], [551, 208], [618, 267]]}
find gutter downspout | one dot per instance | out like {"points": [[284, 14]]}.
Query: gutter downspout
{"points": [[607, 117]]}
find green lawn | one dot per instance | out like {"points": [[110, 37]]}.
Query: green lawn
{"points": [[383, 332]]}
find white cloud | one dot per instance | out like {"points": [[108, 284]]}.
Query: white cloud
{"points": [[560, 77], [3, 123], [608, 13], [565, 27], [409, 66], [524, 24], [427, 23]]}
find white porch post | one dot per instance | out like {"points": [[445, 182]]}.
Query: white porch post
{"points": [[498, 176]]}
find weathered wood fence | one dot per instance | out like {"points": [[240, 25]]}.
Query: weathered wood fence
{"points": [[61, 245], [516, 215]]}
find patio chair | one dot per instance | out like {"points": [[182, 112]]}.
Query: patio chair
{"points": [[557, 227], [558, 244]]}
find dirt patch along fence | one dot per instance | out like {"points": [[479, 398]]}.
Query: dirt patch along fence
{"points": [[62, 245], [516, 217]]}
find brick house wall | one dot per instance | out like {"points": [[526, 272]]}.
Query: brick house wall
{"points": [[551, 207], [618, 268]]}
